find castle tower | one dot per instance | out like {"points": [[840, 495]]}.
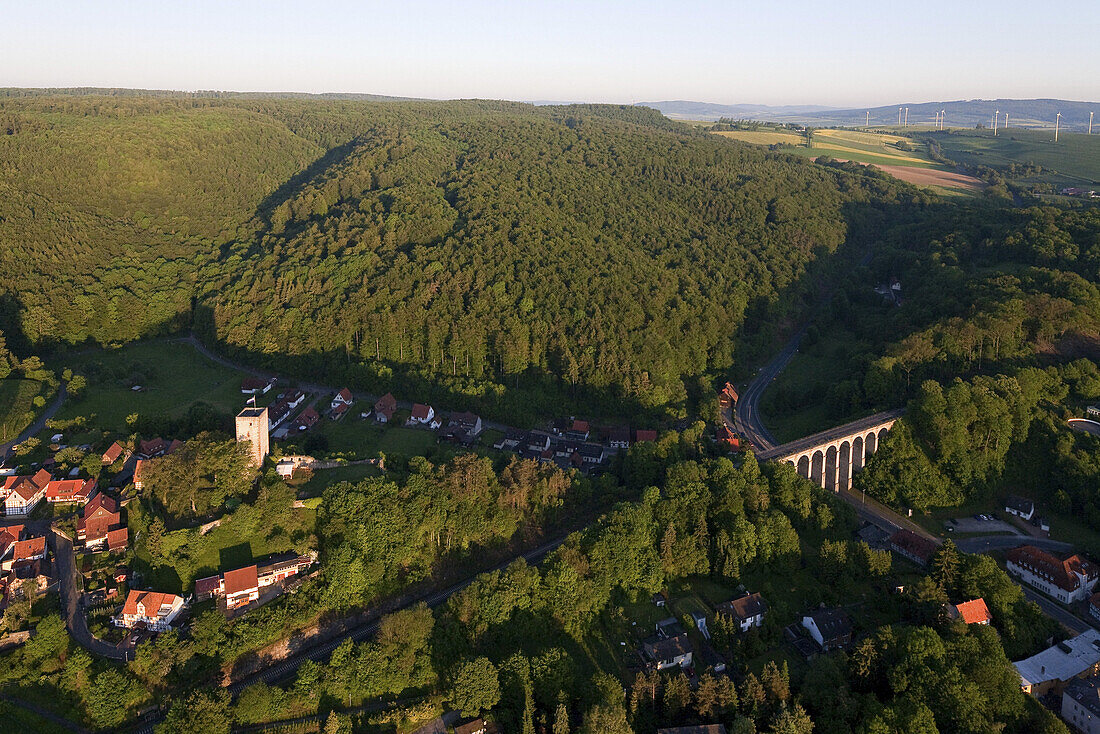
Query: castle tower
{"points": [[252, 426]]}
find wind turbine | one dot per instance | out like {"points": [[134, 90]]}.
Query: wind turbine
{"points": [[868, 122], [1090, 123], [1056, 120], [899, 116], [943, 113], [1006, 121], [996, 116], [907, 117]]}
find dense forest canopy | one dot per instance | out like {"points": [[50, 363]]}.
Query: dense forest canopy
{"points": [[485, 245]]}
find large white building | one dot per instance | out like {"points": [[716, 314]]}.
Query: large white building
{"points": [[1081, 705], [1068, 580], [1053, 668]]}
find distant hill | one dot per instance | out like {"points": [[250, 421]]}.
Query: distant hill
{"points": [[686, 110], [199, 94], [959, 113]]}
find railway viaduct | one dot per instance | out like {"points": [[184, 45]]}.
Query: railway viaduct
{"points": [[831, 458]]}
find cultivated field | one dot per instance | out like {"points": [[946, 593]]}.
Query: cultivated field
{"points": [[1075, 157], [764, 137]]}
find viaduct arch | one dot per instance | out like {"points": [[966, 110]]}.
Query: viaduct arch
{"points": [[831, 458]]}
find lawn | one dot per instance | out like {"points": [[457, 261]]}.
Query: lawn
{"points": [[173, 377], [241, 538], [17, 409], [354, 438], [324, 477]]}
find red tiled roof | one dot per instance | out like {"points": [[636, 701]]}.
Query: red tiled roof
{"points": [[101, 501], [344, 395], [41, 478], [746, 607], [386, 405], [252, 383], [308, 417], [1062, 573], [420, 412], [112, 454], [974, 612], [241, 580], [153, 601], [118, 538], [29, 548], [208, 585], [153, 446], [580, 426], [644, 435], [63, 490], [340, 409]]}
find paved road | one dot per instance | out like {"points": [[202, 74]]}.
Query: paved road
{"points": [[37, 426], [70, 587], [746, 417], [1053, 610], [990, 543]]}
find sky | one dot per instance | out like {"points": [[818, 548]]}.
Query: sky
{"points": [[846, 53]]}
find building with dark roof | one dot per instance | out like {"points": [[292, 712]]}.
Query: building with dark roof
{"points": [[1067, 580], [668, 652], [747, 611], [830, 628], [1081, 705], [908, 544]]}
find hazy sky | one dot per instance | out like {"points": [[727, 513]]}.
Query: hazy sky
{"points": [[845, 52]]}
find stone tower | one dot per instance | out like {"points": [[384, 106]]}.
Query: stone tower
{"points": [[252, 426]]}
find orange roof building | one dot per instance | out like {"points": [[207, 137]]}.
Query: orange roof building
{"points": [[973, 612], [151, 610], [242, 586]]}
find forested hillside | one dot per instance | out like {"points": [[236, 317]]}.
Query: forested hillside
{"points": [[478, 248]]}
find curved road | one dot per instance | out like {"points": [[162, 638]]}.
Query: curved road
{"points": [[746, 416], [70, 587], [38, 425]]}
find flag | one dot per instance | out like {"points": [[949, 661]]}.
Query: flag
{"points": [[252, 401]]}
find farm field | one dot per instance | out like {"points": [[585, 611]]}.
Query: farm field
{"points": [[173, 377], [17, 405], [1075, 157]]}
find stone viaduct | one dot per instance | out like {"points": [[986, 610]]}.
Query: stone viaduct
{"points": [[831, 458]]}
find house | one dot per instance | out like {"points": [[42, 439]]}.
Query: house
{"points": [[477, 726], [642, 435], [1019, 506], [256, 385], [538, 441], [1094, 606], [1068, 580], [908, 544], [972, 612], [578, 431], [22, 494], [97, 518], [277, 413], [468, 422], [66, 491], [338, 411], [668, 652], [830, 628], [510, 440], [659, 599], [384, 408], [1093, 411], [138, 482], [118, 539], [9, 536], [208, 588], [150, 610], [1081, 705], [113, 453], [593, 453], [421, 414], [280, 568], [293, 398], [1053, 668], [700, 621], [31, 549], [695, 729], [727, 438], [747, 611], [241, 587], [729, 392], [307, 419], [153, 447], [619, 438], [342, 398]]}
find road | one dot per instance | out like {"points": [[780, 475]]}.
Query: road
{"points": [[70, 588], [746, 415], [1070, 621], [988, 543], [37, 426]]}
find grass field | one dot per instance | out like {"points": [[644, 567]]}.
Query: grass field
{"points": [[1075, 157], [173, 377], [17, 405], [354, 438]]}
